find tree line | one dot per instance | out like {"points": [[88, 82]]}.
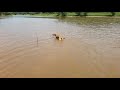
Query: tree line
{"points": [[57, 13]]}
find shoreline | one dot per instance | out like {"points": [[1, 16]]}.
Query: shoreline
{"points": [[32, 16], [2, 17], [40, 16]]}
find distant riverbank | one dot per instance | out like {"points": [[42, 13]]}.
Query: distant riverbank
{"points": [[2, 17], [60, 14], [35, 16], [78, 14]]}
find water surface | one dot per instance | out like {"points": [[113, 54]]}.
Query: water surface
{"points": [[91, 47]]}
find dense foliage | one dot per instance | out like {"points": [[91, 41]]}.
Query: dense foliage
{"points": [[63, 13]]}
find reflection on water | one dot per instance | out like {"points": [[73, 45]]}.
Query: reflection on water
{"points": [[91, 47]]}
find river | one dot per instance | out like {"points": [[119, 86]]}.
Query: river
{"points": [[91, 47]]}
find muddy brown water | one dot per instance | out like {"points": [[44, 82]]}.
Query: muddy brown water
{"points": [[91, 48]]}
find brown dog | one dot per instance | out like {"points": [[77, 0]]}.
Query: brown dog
{"points": [[58, 37]]}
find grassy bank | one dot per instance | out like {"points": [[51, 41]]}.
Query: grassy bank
{"points": [[3, 16], [68, 14], [79, 14]]}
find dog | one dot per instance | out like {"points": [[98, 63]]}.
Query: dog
{"points": [[58, 37]]}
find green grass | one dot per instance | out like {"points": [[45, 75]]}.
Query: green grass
{"points": [[82, 13], [117, 14], [71, 14], [45, 14], [99, 14], [54, 14]]}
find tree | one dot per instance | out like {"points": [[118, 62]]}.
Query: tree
{"points": [[85, 13], [61, 14], [112, 13], [78, 13]]}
